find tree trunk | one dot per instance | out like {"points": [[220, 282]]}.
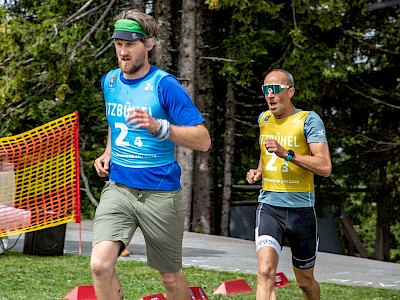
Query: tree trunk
{"points": [[229, 147], [352, 234], [203, 206], [163, 16], [382, 246], [382, 243], [138, 4], [187, 65]]}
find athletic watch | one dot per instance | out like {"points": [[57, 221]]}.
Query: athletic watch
{"points": [[290, 155]]}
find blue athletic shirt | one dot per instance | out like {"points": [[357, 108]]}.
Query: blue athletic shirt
{"points": [[139, 160], [314, 131]]}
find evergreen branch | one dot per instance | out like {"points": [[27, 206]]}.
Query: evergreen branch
{"points": [[8, 59], [14, 109], [89, 12], [85, 181], [384, 93], [95, 26], [249, 124], [294, 15], [369, 45], [72, 17], [218, 59], [372, 98], [379, 146], [102, 49]]}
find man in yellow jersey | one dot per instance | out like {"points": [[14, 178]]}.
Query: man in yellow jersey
{"points": [[293, 148]]}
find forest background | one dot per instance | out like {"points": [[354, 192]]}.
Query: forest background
{"points": [[344, 56]]}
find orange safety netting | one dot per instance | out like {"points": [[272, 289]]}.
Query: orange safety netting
{"points": [[39, 177]]}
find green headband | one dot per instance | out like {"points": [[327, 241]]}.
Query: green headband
{"points": [[129, 25]]}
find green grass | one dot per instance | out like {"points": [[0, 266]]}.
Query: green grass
{"points": [[26, 277]]}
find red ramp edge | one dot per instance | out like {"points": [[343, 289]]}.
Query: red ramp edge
{"points": [[237, 286], [281, 280], [197, 293], [157, 296], [81, 292]]}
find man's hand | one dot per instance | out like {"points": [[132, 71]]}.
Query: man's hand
{"points": [[274, 147], [142, 120], [253, 176], [102, 165]]}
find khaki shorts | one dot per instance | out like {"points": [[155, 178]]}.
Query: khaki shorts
{"points": [[159, 214]]}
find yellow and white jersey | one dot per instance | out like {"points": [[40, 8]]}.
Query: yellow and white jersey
{"points": [[277, 174]]}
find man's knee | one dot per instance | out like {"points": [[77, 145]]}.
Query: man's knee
{"points": [[267, 263], [306, 282], [100, 268], [102, 260], [171, 280], [266, 271]]}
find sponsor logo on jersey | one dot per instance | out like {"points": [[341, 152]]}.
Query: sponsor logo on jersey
{"points": [[296, 121], [112, 80]]}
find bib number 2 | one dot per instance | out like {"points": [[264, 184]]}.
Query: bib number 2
{"points": [[121, 140], [271, 166]]}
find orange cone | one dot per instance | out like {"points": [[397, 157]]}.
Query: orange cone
{"points": [[125, 253]]}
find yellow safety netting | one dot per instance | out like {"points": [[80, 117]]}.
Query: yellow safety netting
{"points": [[39, 177]]}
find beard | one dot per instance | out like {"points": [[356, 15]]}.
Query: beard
{"points": [[133, 65], [130, 69]]}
